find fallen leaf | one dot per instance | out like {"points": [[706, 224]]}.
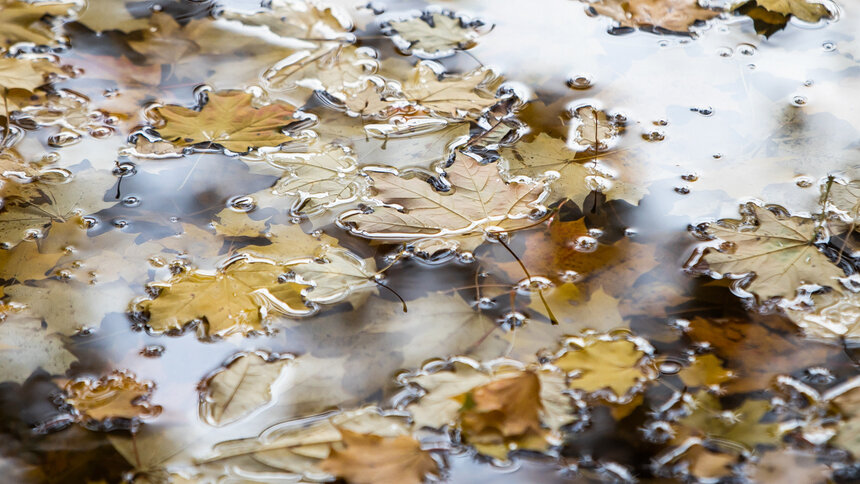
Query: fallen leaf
{"points": [[835, 318], [243, 385], [228, 119], [432, 34], [454, 96], [613, 369], [371, 459], [335, 274], [742, 425], [789, 465], [671, 15], [31, 22], [25, 346], [330, 68], [301, 20], [25, 74], [479, 203], [593, 129], [110, 399], [779, 250], [771, 16], [234, 299], [599, 312], [232, 223], [706, 370]]}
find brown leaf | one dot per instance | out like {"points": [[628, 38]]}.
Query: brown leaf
{"points": [[118, 395], [510, 406], [673, 15], [371, 459]]}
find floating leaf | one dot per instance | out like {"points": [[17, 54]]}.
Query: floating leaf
{"points": [[771, 16], [31, 21], [25, 74], [371, 459], [454, 96], [780, 251], [110, 400], [671, 15], [478, 204], [228, 119], [234, 299], [242, 386], [335, 274], [433, 34], [302, 20]]}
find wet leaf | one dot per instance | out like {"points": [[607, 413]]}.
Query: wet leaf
{"points": [[231, 223], [117, 396], [228, 119], [790, 465], [453, 96], [599, 312], [297, 19], [743, 425], [479, 203], [672, 15], [706, 370], [330, 67], [241, 387], [780, 251], [432, 34], [31, 22], [771, 16], [234, 299], [609, 368], [26, 346], [370, 459], [335, 274], [25, 74]]}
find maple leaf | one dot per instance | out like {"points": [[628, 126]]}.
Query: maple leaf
{"points": [[742, 425], [771, 16], [110, 400], [232, 223], [31, 21], [706, 370], [599, 312], [478, 204], [779, 250], [83, 194], [835, 318], [613, 369], [228, 119], [334, 274], [454, 96], [25, 346], [433, 34], [419, 143], [297, 19], [671, 15], [593, 129], [26, 74], [331, 68], [165, 41], [371, 459], [240, 387], [233, 299], [313, 183]]}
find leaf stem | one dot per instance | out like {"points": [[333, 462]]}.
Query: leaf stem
{"points": [[405, 309], [549, 312]]}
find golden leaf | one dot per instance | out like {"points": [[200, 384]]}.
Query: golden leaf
{"points": [[25, 74], [706, 370], [771, 16], [672, 15], [228, 119], [118, 395], [742, 425], [26, 21], [479, 203], [26, 346], [371, 459], [599, 364]]}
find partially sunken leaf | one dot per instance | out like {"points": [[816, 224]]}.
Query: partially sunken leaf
{"points": [[234, 299], [432, 34], [453, 96], [600, 364], [240, 387], [25, 74], [835, 318], [299, 19], [593, 130], [742, 425], [706, 370], [780, 251], [672, 15], [110, 400], [30, 21], [599, 312], [371, 459], [334, 274], [331, 68], [479, 203], [25, 346], [228, 119], [771, 16]]}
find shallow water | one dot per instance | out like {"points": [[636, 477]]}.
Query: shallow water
{"points": [[705, 121]]}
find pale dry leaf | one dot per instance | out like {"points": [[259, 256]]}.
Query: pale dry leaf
{"points": [[454, 96], [334, 274], [433, 34], [25, 347], [243, 385], [34, 22], [672, 15]]}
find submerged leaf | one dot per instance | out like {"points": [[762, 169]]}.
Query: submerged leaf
{"points": [[372, 459], [432, 34], [25, 346], [31, 21], [599, 364]]}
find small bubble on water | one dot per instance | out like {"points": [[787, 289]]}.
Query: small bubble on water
{"points": [[120, 223], [124, 169], [152, 351], [579, 82], [828, 46], [818, 375], [655, 135], [173, 219], [717, 156], [156, 261], [690, 177], [65, 138], [242, 204], [799, 101], [84, 331], [512, 319], [570, 276], [664, 43], [131, 201], [661, 122], [466, 257], [746, 49], [630, 232], [486, 303], [669, 367], [585, 244], [803, 181], [808, 83], [683, 190], [704, 111], [725, 52], [101, 132], [89, 221]]}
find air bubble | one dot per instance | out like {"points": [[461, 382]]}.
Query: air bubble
{"points": [[799, 101], [579, 82], [818, 375], [173, 219], [101, 132], [89, 222], [682, 190], [664, 43], [808, 83], [655, 135], [690, 177], [669, 367], [512, 319], [828, 46], [242, 204], [120, 223], [746, 49], [751, 67], [466, 258], [64, 138], [152, 351], [131, 201], [717, 156], [585, 244], [803, 181], [630, 232], [661, 122], [704, 111], [596, 233], [486, 303], [725, 52], [124, 169], [570, 276]]}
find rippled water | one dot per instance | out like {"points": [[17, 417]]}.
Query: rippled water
{"points": [[711, 120]]}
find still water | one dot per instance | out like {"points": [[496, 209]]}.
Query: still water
{"points": [[152, 260]]}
